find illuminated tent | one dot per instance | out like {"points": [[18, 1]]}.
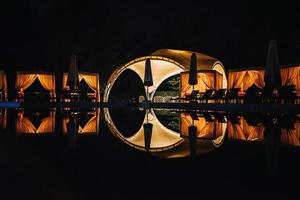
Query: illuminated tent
{"points": [[291, 136], [165, 143], [245, 132], [207, 79], [90, 128], [24, 125], [3, 118], [26, 78], [245, 78], [91, 79], [3, 86], [165, 63], [206, 129]]}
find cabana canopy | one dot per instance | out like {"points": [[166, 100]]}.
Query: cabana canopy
{"points": [[166, 63], [25, 78], [92, 80], [245, 78], [25, 126], [3, 86], [90, 128], [207, 79]]}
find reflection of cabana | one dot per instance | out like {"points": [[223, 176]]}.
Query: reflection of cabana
{"points": [[91, 79], [26, 79], [291, 136], [3, 86], [241, 130], [164, 64], [245, 78], [207, 80], [206, 129], [25, 126], [3, 118], [90, 128]]}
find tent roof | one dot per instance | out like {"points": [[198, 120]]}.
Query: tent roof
{"points": [[204, 62], [203, 71], [87, 73]]}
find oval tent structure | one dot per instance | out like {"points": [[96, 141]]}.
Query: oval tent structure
{"points": [[165, 63]]}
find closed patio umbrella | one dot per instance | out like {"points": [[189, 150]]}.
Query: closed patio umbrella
{"points": [[272, 68], [73, 79], [193, 70], [148, 79]]}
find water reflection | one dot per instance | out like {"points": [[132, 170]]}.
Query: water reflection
{"points": [[39, 123], [3, 118], [161, 141], [81, 123]]}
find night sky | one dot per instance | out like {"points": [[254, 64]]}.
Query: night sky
{"points": [[43, 34]]}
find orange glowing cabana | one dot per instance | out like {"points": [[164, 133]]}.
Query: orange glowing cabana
{"points": [[25, 79], [3, 86], [241, 130], [165, 63], [24, 125], [91, 79], [291, 136], [91, 127], [207, 79], [206, 128], [245, 78]]}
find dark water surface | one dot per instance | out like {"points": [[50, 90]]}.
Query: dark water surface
{"points": [[80, 155]]}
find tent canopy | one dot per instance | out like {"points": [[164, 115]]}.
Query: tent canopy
{"points": [[207, 79], [165, 63], [92, 80], [25, 78], [245, 78], [3, 85]]}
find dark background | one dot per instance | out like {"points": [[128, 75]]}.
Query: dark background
{"points": [[41, 35]]}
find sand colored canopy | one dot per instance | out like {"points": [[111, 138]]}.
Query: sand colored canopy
{"points": [[92, 80], [90, 128], [164, 64], [244, 79], [25, 78], [206, 79], [25, 126], [3, 86], [205, 129], [245, 132]]}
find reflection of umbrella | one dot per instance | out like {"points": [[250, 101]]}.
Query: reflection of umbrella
{"points": [[272, 68], [72, 80], [192, 138], [147, 135], [193, 70], [148, 80]]}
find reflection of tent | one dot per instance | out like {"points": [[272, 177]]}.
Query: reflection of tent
{"points": [[291, 136], [165, 63], [91, 127], [207, 79], [26, 126], [3, 118], [205, 128], [25, 79], [3, 86], [245, 78], [91, 79], [241, 130]]}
